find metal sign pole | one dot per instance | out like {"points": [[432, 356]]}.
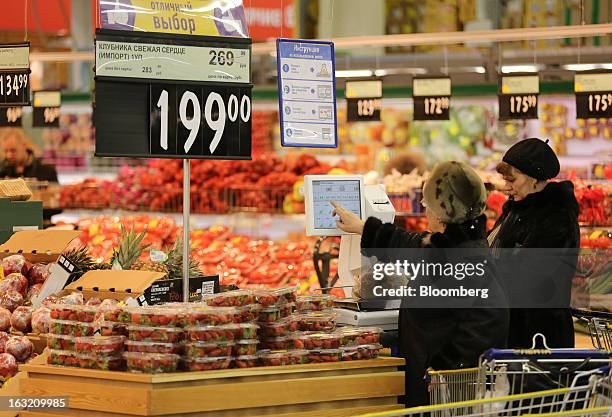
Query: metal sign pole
{"points": [[186, 247]]}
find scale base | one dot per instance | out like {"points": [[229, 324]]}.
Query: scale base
{"points": [[385, 319]]}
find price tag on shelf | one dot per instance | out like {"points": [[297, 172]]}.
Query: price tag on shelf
{"points": [[518, 96], [172, 96], [363, 100], [593, 91], [14, 75], [307, 93], [431, 96], [11, 116], [46, 108]]}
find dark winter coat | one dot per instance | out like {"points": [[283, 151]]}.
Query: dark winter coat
{"points": [[547, 219], [435, 337], [34, 169]]}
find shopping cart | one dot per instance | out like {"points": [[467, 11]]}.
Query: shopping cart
{"points": [[599, 324]]}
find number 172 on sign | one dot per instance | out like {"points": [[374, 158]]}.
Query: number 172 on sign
{"points": [[199, 121]]}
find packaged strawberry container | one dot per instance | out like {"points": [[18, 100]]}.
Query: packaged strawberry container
{"points": [[245, 347], [154, 347], [246, 361], [101, 362], [62, 358], [71, 328], [155, 316], [279, 328], [207, 316], [115, 314], [237, 298], [314, 302], [151, 363], [205, 364], [311, 341], [247, 314], [355, 336], [82, 313], [324, 355], [155, 334], [281, 357], [244, 331], [277, 343], [287, 310], [362, 352], [59, 342], [100, 345], [316, 321], [112, 328], [288, 293], [269, 314], [211, 333], [275, 297], [208, 350]]}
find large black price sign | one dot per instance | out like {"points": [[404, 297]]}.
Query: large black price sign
{"points": [[173, 96], [518, 97], [363, 100], [431, 96], [14, 75], [593, 94]]}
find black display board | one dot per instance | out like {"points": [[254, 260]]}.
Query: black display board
{"points": [[363, 100], [431, 96], [593, 91], [518, 96], [14, 74], [173, 118]]}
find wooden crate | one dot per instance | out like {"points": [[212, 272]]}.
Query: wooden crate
{"points": [[312, 390]]}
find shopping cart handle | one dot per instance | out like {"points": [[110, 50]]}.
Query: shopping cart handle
{"points": [[578, 312], [496, 354]]}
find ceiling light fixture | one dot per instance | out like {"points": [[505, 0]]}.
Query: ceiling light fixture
{"points": [[354, 73], [586, 67], [506, 69]]}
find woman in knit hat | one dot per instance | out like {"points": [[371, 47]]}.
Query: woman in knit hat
{"points": [[441, 338], [538, 214]]}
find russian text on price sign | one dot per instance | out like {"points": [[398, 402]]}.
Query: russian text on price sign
{"points": [[518, 97], [46, 108], [14, 75], [363, 100], [431, 96], [188, 96], [593, 94]]}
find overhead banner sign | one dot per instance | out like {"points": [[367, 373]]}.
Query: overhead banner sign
{"points": [[11, 116], [307, 93], [46, 108], [593, 94], [186, 17], [431, 96], [518, 96], [363, 100], [172, 96], [15, 74]]}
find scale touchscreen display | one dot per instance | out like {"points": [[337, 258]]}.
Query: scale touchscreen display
{"points": [[344, 192]]}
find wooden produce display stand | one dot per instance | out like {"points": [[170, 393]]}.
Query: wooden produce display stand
{"points": [[329, 389]]}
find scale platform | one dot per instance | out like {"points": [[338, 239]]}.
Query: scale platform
{"points": [[351, 313]]}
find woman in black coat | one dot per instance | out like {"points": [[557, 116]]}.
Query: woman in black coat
{"points": [[439, 338], [539, 214]]}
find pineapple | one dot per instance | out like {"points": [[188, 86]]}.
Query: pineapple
{"points": [[130, 248], [80, 258], [175, 262], [150, 266]]}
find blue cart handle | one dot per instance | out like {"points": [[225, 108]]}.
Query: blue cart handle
{"points": [[577, 312], [497, 354]]}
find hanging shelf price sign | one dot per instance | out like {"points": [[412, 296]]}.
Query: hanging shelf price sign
{"points": [[46, 108], [363, 100], [11, 116], [431, 96], [518, 97], [15, 74], [173, 96], [593, 94]]}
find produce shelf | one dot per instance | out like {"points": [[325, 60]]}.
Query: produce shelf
{"points": [[331, 389]]}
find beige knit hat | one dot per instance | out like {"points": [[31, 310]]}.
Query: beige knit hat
{"points": [[454, 192]]}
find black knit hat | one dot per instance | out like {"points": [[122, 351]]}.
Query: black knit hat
{"points": [[533, 157]]}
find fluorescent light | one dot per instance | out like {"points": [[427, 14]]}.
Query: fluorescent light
{"points": [[379, 72], [354, 73], [586, 67], [519, 68], [480, 70]]}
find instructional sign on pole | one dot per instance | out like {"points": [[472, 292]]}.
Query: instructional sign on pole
{"points": [[593, 94], [15, 74], [518, 96], [431, 96], [173, 96], [307, 93], [363, 100]]}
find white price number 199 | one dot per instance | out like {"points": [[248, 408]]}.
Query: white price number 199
{"points": [[193, 124]]}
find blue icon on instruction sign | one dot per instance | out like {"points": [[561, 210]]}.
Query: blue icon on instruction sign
{"points": [[287, 89], [289, 132], [286, 68], [288, 110]]}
